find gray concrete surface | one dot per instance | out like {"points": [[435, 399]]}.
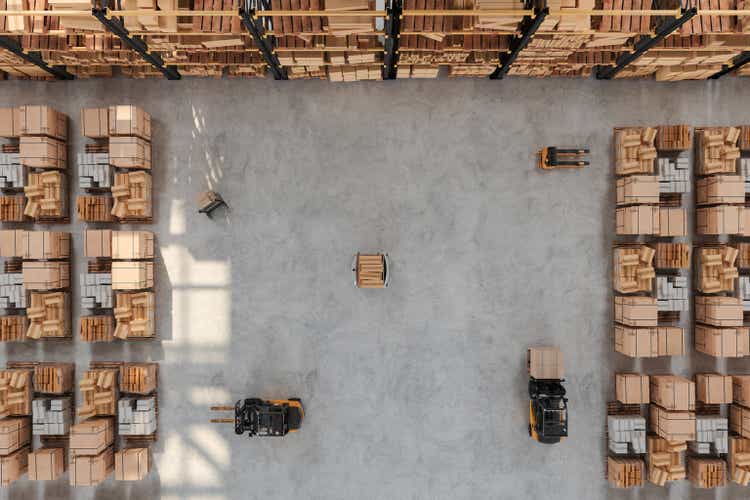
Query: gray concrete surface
{"points": [[417, 391]]}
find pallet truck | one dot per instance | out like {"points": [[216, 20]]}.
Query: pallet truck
{"points": [[548, 406], [553, 157], [264, 418]]}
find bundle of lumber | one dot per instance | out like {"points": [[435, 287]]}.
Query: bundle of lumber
{"points": [[85, 23], [636, 71], [435, 58], [306, 72], [665, 460], [687, 72], [53, 378], [97, 328], [132, 195], [580, 22], [672, 256], [94, 208], [418, 71], [633, 269], [354, 73], [673, 138], [138, 378], [503, 23], [202, 24], [48, 316], [495, 43], [626, 24], [743, 258], [603, 40], [623, 472], [346, 25], [634, 150], [11, 208], [707, 472], [298, 24], [744, 138], [46, 197], [370, 271], [13, 328], [99, 392], [476, 70], [15, 392], [739, 460], [711, 24], [247, 70], [134, 315], [717, 151], [434, 26], [716, 270]]}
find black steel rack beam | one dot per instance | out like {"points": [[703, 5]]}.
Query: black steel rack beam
{"points": [[529, 26], [263, 42], [116, 27], [394, 8], [737, 62], [645, 43], [35, 58]]}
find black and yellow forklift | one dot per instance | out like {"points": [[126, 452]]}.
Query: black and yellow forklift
{"points": [[548, 406], [264, 418], [553, 157]]}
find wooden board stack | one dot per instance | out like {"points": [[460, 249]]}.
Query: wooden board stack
{"points": [[345, 25], [99, 390], [717, 150], [672, 255], [633, 269], [634, 150], [716, 269], [371, 271], [673, 137], [502, 23]]}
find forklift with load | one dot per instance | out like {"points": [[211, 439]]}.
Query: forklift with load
{"points": [[548, 406], [264, 418]]}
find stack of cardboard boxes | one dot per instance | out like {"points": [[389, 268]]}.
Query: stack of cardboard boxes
{"points": [[117, 171], [15, 439], [42, 257], [706, 467], [33, 165], [137, 418], [91, 457], [719, 329]]}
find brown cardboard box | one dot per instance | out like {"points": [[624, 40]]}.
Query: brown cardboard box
{"points": [[636, 311], [739, 420], [672, 425], [672, 393], [713, 388], [46, 276], [718, 311], [132, 275], [129, 152], [132, 464], [544, 362], [638, 189], [741, 389], [722, 342], [129, 120], [46, 464], [632, 388], [132, 245], [98, 243], [720, 189], [637, 219], [91, 470], [43, 152], [15, 432], [45, 245], [722, 219], [10, 122], [636, 342], [672, 222], [92, 436], [11, 243], [670, 341], [95, 123], [13, 466], [42, 120]]}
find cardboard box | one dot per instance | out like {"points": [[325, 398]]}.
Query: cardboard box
{"points": [[670, 341], [11, 243], [45, 245], [722, 342], [92, 436], [15, 433], [46, 464], [91, 470], [98, 243], [132, 275], [45, 276], [132, 245], [10, 122], [672, 425], [544, 363], [132, 464], [720, 189], [43, 120], [672, 222], [718, 311], [722, 219], [129, 152], [13, 466], [713, 388], [636, 311], [636, 342], [739, 420], [129, 120], [672, 393], [638, 219], [632, 388], [638, 189], [95, 123], [741, 389], [43, 152]]}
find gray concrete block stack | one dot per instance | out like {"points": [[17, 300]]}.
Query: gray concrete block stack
{"points": [[627, 434], [674, 174], [745, 171], [50, 417], [672, 293], [94, 170], [136, 416], [712, 435], [743, 285], [12, 173], [12, 291], [96, 290]]}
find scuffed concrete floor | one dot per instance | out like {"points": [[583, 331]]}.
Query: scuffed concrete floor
{"points": [[414, 392]]}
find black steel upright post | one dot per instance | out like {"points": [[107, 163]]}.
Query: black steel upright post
{"points": [[34, 58], [645, 43], [529, 26], [116, 27], [393, 9], [737, 62], [262, 42]]}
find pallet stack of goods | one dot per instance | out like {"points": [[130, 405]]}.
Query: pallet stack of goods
{"points": [[15, 423], [33, 165], [739, 441], [371, 270], [626, 431], [707, 467], [34, 293], [116, 169]]}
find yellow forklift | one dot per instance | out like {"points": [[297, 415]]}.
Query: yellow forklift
{"points": [[264, 418], [553, 157], [548, 406]]}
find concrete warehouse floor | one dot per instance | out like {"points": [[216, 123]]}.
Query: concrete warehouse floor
{"points": [[414, 392]]}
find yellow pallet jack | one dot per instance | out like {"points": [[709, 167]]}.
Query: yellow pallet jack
{"points": [[552, 157]]}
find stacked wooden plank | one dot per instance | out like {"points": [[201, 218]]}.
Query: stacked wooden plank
{"points": [[99, 390], [354, 73], [711, 24], [633, 269], [13, 328], [134, 314], [635, 152], [493, 22], [716, 269], [97, 328], [304, 25], [625, 472], [672, 256], [15, 392], [53, 378], [707, 472], [138, 378], [739, 460], [370, 271], [49, 316], [626, 24], [666, 458], [717, 150], [577, 23], [418, 71], [344, 25], [673, 138], [204, 24], [477, 70], [433, 27]]}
